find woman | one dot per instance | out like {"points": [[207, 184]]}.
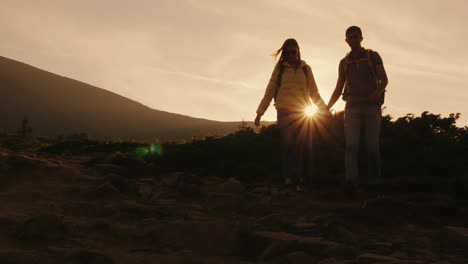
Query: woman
{"points": [[291, 84]]}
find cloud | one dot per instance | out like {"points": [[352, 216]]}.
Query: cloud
{"points": [[204, 78]]}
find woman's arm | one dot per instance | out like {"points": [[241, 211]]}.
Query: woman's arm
{"points": [[313, 90], [270, 91]]}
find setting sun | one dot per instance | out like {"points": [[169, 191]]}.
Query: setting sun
{"points": [[310, 110]]}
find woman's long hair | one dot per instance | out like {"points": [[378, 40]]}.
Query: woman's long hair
{"points": [[287, 43]]}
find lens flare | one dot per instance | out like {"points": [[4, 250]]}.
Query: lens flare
{"points": [[156, 150], [310, 110], [141, 151]]}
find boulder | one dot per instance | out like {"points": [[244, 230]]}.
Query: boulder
{"points": [[211, 237], [339, 233], [88, 257], [145, 190], [369, 258], [455, 239], [298, 257], [43, 228], [106, 189], [170, 179], [283, 243]]}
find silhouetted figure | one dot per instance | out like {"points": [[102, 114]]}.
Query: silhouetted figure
{"points": [[291, 84], [362, 81], [26, 129]]}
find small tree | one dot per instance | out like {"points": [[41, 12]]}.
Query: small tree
{"points": [[26, 129]]}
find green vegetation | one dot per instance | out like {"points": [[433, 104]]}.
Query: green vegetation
{"points": [[427, 146]]}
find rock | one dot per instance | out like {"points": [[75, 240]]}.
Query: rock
{"points": [[222, 203], [215, 185], [298, 257], [248, 244], [171, 179], [145, 190], [212, 237], [104, 211], [7, 223], [119, 181], [304, 226], [99, 226], [126, 160], [275, 191], [340, 234], [454, 238], [190, 190], [279, 236], [146, 180], [260, 207], [369, 258], [109, 168], [345, 251], [231, 186], [233, 180], [96, 157], [281, 242], [277, 248], [44, 228], [190, 185], [12, 258], [317, 246], [106, 189], [272, 221], [136, 210], [261, 190], [224, 195], [329, 261], [87, 257], [383, 248], [408, 262], [20, 162]]}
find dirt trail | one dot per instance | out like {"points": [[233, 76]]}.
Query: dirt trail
{"points": [[62, 210]]}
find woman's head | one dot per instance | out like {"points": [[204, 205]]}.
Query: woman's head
{"points": [[289, 51]]}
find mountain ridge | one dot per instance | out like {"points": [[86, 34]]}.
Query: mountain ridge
{"points": [[57, 104]]}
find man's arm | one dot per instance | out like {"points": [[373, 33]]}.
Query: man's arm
{"points": [[339, 85], [337, 92], [382, 82], [382, 77]]}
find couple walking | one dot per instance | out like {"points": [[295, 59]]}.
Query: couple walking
{"points": [[361, 82]]}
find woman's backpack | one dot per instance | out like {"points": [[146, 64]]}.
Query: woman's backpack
{"points": [[280, 75]]}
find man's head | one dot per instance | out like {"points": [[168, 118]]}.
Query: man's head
{"points": [[354, 37]]}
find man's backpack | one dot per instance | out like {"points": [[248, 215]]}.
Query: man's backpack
{"points": [[346, 91], [280, 75]]}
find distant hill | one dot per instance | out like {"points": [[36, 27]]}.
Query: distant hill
{"points": [[58, 105]]}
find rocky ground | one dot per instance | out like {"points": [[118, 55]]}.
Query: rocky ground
{"points": [[81, 209]]}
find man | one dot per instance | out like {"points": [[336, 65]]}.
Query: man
{"points": [[362, 81]]}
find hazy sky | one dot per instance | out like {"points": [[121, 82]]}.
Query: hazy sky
{"points": [[211, 58]]}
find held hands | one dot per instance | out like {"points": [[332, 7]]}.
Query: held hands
{"points": [[324, 112]]}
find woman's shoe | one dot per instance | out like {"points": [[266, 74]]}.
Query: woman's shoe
{"points": [[300, 188]]}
